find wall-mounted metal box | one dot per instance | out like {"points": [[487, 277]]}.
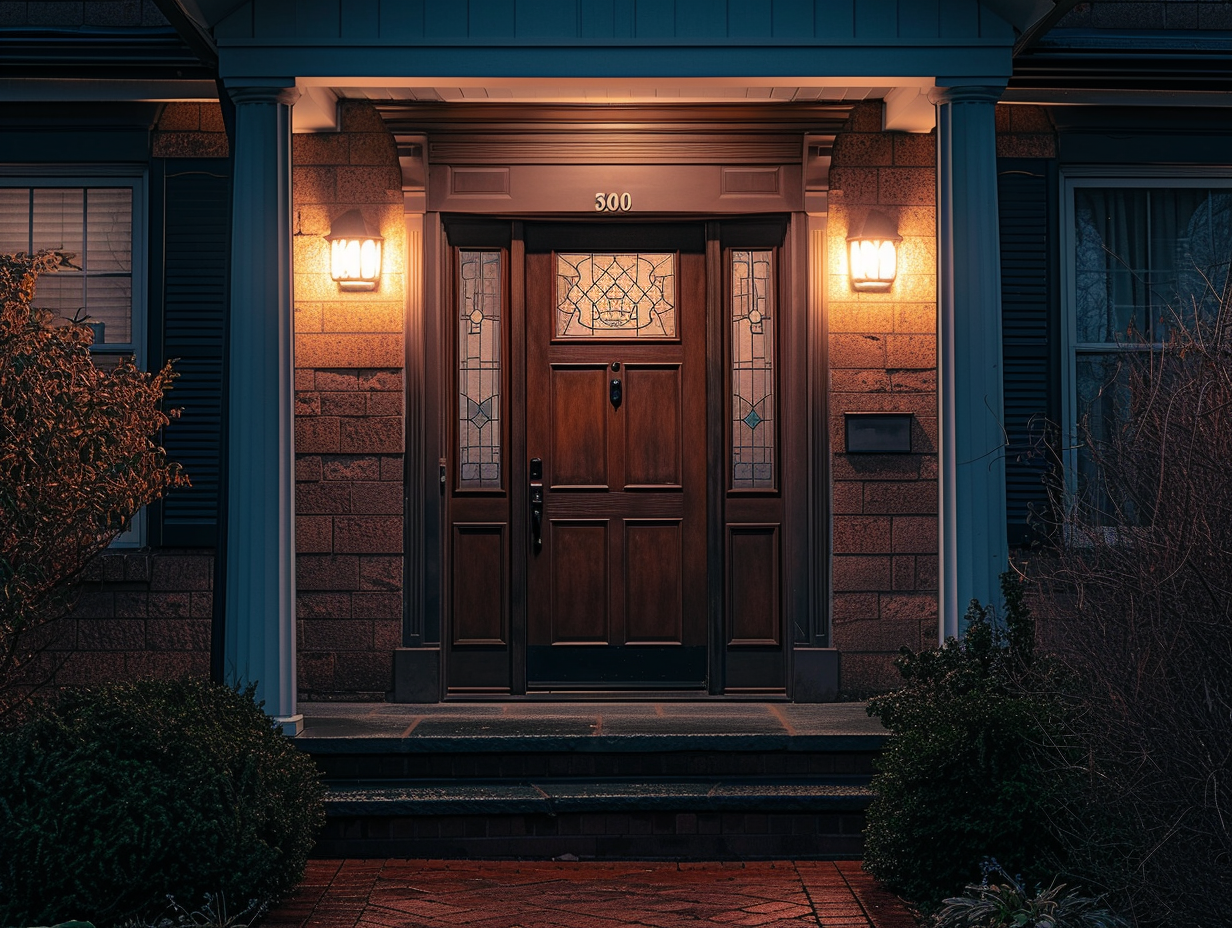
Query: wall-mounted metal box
{"points": [[878, 432]]}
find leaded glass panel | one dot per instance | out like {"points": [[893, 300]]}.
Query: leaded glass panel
{"points": [[616, 296], [752, 371], [479, 370]]}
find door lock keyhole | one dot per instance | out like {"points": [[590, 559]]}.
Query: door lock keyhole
{"points": [[616, 394]]}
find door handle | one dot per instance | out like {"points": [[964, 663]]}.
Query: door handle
{"points": [[616, 394], [536, 516]]}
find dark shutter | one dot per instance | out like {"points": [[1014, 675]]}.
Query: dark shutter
{"points": [[196, 222], [1030, 326]]}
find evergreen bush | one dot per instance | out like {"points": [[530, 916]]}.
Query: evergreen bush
{"points": [[116, 797], [962, 776]]}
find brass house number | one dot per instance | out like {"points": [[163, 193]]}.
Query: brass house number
{"points": [[613, 202]]}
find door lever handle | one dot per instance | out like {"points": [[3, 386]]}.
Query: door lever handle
{"points": [[536, 516]]}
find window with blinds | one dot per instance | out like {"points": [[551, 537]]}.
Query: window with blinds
{"points": [[92, 223]]}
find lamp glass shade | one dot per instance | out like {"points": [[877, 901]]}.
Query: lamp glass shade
{"points": [[873, 250], [355, 252]]}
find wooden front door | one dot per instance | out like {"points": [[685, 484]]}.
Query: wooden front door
{"points": [[616, 444]]}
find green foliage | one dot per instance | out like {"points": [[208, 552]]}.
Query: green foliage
{"points": [[76, 460], [1007, 904], [961, 777], [117, 797]]}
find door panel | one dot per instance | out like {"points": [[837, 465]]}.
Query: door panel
{"points": [[580, 583], [616, 595], [579, 426], [478, 555], [652, 427], [653, 581]]}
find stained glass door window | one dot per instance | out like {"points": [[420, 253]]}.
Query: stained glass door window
{"points": [[479, 370], [753, 416], [616, 296]]}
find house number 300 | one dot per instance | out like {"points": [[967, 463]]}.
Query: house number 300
{"points": [[613, 202]]}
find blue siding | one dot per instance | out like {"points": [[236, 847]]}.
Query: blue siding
{"points": [[403, 18], [546, 19], [833, 19], [701, 19], [918, 18], [489, 19], [877, 19], [655, 19], [749, 20], [792, 18]]}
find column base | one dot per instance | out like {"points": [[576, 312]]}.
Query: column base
{"points": [[417, 675], [292, 725], [814, 675]]}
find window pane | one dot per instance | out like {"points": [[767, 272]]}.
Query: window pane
{"points": [[1144, 254], [14, 220], [479, 370], [58, 220], [109, 230], [616, 296], [752, 371], [61, 293], [108, 302]]}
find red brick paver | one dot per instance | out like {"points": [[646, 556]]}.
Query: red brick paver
{"points": [[588, 894]]}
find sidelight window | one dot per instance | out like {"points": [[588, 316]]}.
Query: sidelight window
{"points": [[479, 370], [754, 428]]}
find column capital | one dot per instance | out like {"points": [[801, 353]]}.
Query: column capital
{"points": [[967, 93], [280, 92]]}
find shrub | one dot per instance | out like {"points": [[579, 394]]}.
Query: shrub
{"points": [[116, 797], [76, 461], [961, 776], [1137, 603]]}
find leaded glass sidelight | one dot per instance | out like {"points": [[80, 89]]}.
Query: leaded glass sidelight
{"points": [[752, 370], [616, 296], [479, 370]]}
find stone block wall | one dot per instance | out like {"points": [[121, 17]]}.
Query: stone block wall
{"points": [[349, 358], [883, 358], [137, 614]]}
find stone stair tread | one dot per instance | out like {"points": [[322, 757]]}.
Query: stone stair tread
{"points": [[549, 797]]}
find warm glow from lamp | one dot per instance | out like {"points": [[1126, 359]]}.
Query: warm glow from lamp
{"points": [[873, 253], [355, 252]]}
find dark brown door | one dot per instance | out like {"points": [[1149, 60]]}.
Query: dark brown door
{"points": [[616, 414]]}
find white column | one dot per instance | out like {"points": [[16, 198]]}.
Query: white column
{"points": [[260, 578], [973, 546]]}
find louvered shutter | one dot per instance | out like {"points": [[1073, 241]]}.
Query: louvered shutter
{"points": [[196, 234], [1030, 326]]}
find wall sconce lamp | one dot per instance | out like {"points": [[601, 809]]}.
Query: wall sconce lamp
{"points": [[874, 253], [355, 252]]}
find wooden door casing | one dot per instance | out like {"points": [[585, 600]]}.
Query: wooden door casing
{"points": [[617, 592]]}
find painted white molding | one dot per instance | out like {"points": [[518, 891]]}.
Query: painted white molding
{"points": [[260, 580], [315, 111], [973, 547], [908, 109]]}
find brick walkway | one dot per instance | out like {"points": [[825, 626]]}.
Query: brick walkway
{"points": [[587, 894]]}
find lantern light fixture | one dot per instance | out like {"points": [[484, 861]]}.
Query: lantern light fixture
{"points": [[355, 252], [873, 250]]}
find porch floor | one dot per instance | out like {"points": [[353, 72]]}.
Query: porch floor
{"points": [[348, 728]]}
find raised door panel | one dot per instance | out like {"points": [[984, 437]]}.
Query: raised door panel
{"points": [[580, 581], [477, 562], [652, 426], [753, 585], [653, 572], [579, 401]]}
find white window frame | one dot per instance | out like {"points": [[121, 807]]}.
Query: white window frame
{"points": [[135, 177], [1072, 178]]}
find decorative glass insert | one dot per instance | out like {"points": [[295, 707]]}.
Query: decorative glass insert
{"points": [[616, 296], [752, 371], [479, 370]]}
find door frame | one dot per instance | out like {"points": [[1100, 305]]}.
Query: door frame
{"points": [[431, 193]]}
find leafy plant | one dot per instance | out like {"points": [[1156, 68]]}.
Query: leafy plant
{"points": [[117, 797], [76, 460], [962, 771], [1007, 904]]}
